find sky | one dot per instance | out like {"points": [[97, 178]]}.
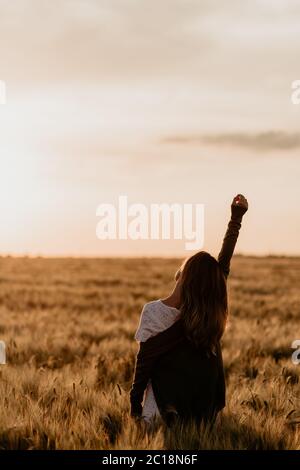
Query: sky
{"points": [[174, 101]]}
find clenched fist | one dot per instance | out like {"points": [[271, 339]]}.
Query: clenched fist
{"points": [[239, 205]]}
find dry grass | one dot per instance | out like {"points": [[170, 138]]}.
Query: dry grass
{"points": [[69, 327]]}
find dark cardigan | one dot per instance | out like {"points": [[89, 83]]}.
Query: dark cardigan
{"points": [[184, 379]]}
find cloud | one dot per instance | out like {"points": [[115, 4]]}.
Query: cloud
{"points": [[262, 141]]}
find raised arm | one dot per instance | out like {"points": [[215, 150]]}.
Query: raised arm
{"points": [[239, 206]]}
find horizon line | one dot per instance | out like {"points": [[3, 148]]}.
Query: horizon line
{"points": [[129, 256]]}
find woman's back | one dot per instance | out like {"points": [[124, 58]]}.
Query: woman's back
{"points": [[189, 381]]}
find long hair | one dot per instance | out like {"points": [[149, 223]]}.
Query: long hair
{"points": [[204, 306]]}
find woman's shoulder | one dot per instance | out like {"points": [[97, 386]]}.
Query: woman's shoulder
{"points": [[154, 319], [148, 321], [151, 305], [149, 310]]}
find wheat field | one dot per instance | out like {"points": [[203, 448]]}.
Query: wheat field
{"points": [[68, 325]]}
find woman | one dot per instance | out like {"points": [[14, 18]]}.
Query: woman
{"points": [[179, 363]]}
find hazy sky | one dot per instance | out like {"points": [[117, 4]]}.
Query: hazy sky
{"points": [[162, 100]]}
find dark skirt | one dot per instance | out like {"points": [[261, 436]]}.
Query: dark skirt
{"points": [[189, 384]]}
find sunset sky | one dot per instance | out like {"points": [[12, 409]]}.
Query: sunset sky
{"points": [[185, 101]]}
